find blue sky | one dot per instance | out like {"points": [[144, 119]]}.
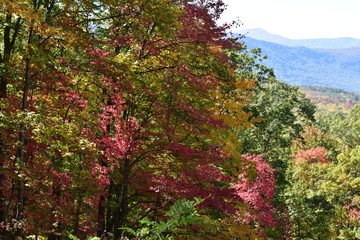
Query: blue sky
{"points": [[298, 18]]}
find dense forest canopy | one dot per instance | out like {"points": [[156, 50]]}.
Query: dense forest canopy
{"points": [[141, 119]]}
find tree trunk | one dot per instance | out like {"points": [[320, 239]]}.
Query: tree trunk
{"points": [[123, 209], [101, 216], [22, 138], [27, 79], [9, 42], [109, 223]]}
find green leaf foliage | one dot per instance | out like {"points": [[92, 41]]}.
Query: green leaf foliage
{"points": [[181, 214]]}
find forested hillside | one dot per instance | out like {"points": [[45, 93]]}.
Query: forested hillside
{"points": [[305, 66], [331, 100], [142, 120]]}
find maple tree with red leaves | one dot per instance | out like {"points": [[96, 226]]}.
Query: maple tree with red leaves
{"points": [[114, 110]]}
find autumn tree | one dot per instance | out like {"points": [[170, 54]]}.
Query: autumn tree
{"points": [[280, 112], [321, 197], [39, 99], [112, 111], [344, 127]]}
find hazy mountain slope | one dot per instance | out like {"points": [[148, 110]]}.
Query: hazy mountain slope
{"points": [[260, 34], [304, 66], [332, 43]]}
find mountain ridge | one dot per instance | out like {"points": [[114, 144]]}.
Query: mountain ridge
{"points": [[334, 68], [322, 43]]}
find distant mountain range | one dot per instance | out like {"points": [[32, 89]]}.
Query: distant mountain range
{"points": [[332, 43], [337, 68]]}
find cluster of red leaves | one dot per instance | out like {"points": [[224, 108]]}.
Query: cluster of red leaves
{"points": [[315, 155], [258, 191], [354, 210]]}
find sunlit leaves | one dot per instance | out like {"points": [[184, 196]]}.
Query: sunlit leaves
{"points": [[124, 108], [323, 185]]}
